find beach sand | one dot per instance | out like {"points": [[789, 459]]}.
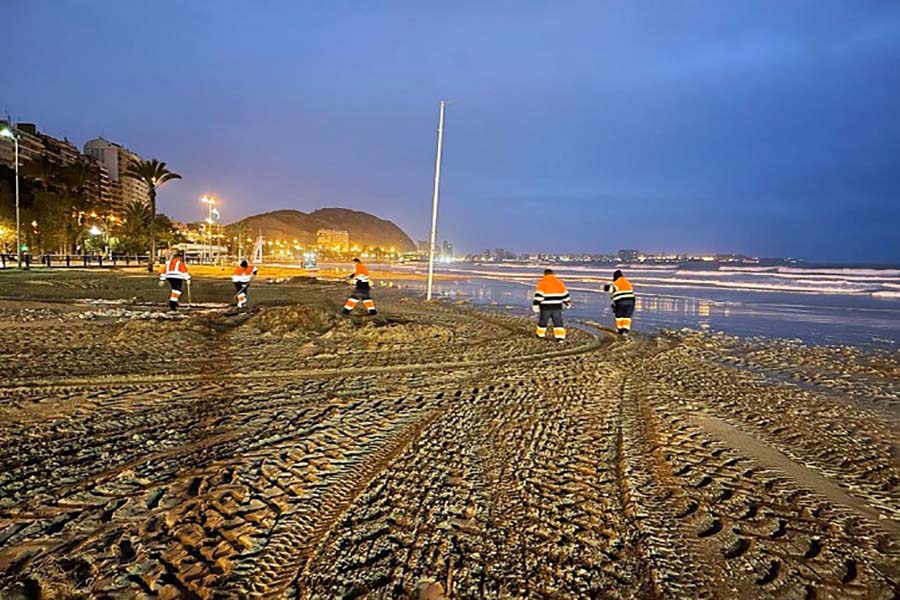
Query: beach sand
{"points": [[326, 273], [434, 451]]}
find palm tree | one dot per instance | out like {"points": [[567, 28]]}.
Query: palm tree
{"points": [[135, 226], [74, 180], [154, 174], [238, 232]]}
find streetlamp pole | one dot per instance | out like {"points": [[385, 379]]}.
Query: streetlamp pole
{"points": [[210, 202], [209, 232], [18, 217], [8, 132], [434, 200]]}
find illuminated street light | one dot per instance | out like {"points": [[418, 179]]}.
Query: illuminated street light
{"points": [[8, 132]]}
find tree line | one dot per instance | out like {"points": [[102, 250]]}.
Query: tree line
{"points": [[61, 213]]}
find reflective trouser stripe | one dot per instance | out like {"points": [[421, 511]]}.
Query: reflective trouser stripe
{"points": [[369, 304], [540, 331], [173, 297], [559, 333], [623, 323], [350, 303]]}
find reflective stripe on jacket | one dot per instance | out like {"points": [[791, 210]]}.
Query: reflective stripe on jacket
{"points": [[550, 293], [175, 269], [361, 274], [243, 275], [622, 290]]}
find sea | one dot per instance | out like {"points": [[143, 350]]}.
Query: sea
{"points": [[818, 304]]}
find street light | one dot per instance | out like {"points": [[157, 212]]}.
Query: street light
{"points": [[216, 226], [434, 201], [210, 202], [96, 231], [8, 132]]}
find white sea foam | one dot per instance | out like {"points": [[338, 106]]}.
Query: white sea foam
{"points": [[843, 271], [759, 286], [748, 269]]}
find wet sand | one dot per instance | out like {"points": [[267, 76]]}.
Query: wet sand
{"points": [[434, 451]]}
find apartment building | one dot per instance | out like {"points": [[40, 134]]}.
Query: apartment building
{"points": [[39, 148], [115, 158], [333, 239]]}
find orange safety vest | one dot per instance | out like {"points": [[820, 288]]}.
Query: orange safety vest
{"points": [[175, 269], [550, 292], [361, 273], [241, 274], [622, 289]]}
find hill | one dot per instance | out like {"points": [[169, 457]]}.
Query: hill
{"points": [[365, 229]]}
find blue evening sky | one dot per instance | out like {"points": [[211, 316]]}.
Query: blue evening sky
{"points": [[762, 127]]}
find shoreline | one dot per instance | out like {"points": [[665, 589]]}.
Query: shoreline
{"points": [[655, 312], [819, 319]]}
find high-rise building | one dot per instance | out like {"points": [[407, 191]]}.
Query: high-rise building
{"points": [[629, 256], [38, 147], [447, 250], [115, 159], [100, 188], [333, 239]]}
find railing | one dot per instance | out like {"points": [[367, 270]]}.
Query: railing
{"points": [[80, 261]]}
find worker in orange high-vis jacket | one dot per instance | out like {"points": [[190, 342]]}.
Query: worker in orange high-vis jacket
{"points": [[550, 299], [241, 277], [363, 290], [623, 300], [176, 274]]}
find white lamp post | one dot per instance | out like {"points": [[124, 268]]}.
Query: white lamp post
{"points": [[210, 202], [7, 132], [434, 201], [216, 231]]}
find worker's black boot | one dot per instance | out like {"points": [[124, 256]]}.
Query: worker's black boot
{"points": [[345, 312], [173, 305]]}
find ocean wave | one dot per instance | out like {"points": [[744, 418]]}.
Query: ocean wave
{"points": [[638, 266], [749, 269], [886, 294], [843, 271], [819, 276], [836, 277], [760, 286]]}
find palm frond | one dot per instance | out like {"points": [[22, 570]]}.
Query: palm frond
{"points": [[153, 172], [167, 177]]}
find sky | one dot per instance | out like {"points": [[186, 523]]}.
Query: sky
{"points": [[769, 128]]}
